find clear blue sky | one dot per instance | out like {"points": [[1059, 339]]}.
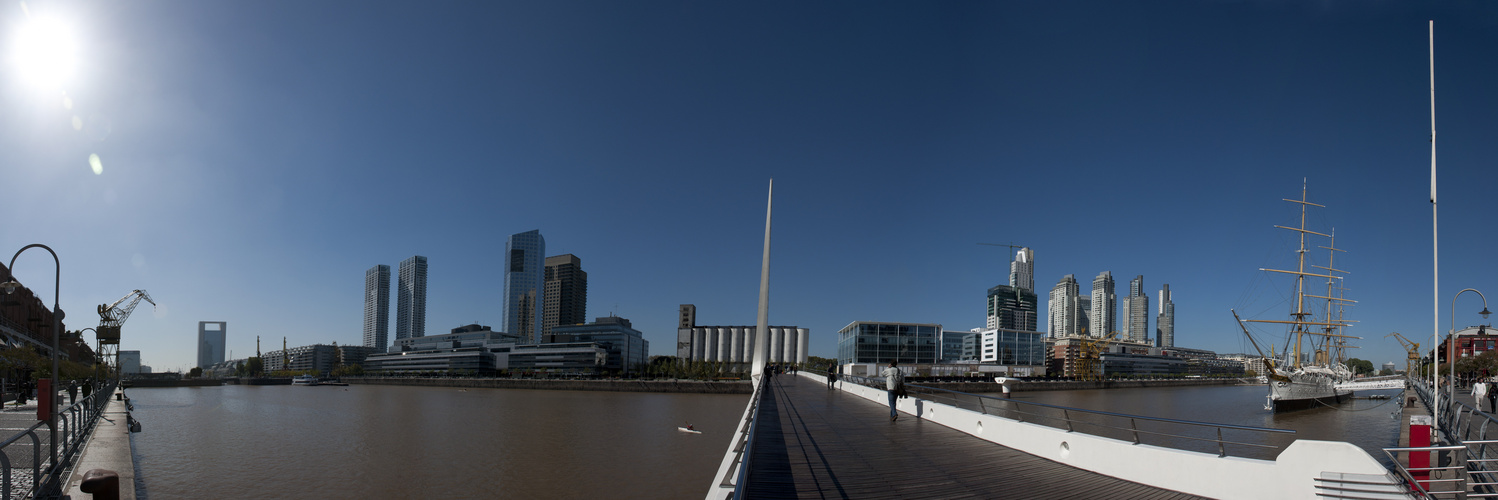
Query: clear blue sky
{"points": [[258, 157]]}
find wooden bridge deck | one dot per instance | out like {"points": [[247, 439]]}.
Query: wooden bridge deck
{"points": [[816, 443]]}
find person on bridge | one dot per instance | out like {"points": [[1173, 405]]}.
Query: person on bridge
{"points": [[1492, 396], [894, 380]]}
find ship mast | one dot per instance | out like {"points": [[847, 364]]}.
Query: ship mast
{"points": [[1300, 315], [1335, 304]]}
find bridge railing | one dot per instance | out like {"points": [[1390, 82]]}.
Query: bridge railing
{"points": [[1470, 456], [1165, 432], [31, 474], [736, 463]]}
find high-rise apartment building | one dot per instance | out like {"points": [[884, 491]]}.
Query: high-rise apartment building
{"points": [[211, 342], [1136, 311], [377, 306], [411, 298], [1012, 308], [1165, 324], [1065, 317], [1103, 319], [1022, 270], [565, 299], [524, 285]]}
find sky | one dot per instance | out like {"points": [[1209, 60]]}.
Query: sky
{"points": [[253, 159]]}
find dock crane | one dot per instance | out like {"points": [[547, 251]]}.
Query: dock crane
{"points": [[1414, 352], [111, 317], [1089, 357]]}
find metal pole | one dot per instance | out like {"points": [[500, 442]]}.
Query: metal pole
{"points": [[1451, 336], [56, 325], [1435, 248], [762, 326]]}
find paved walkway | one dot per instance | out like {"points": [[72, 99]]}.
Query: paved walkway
{"points": [[816, 443]]}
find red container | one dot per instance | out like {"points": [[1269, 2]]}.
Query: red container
{"points": [[1419, 438]]}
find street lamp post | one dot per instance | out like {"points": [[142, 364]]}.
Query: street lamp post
{"points": [[10, 287], [1451, 337]]}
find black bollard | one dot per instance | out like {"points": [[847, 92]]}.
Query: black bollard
{"points": [[103, 484]]}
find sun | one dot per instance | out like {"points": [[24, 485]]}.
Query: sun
{"points": [[44, 52]]}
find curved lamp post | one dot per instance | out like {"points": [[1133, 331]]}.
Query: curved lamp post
{"points": [[10, 287], [1451, 337]]}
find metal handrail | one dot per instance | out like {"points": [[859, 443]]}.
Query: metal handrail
{"points": [[1069, 422], [77, 423], [736, 476]]}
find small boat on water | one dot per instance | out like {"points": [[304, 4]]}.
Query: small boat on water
{"points": [[693, 431], [304, 380]]}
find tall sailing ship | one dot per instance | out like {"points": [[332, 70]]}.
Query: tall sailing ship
{"points": [[1309, 371]]}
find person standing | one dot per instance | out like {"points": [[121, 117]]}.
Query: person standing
{"points": [[1479, 391], [832, 375], [1492, 397], [894, 380]]}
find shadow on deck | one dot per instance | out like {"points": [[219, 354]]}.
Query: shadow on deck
{"points": [[817, 443]]}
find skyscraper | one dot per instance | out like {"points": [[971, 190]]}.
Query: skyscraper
{"points": [[211, 342], [1022, 270], [377, 306], [1165, 324], [1062, 308], [524, 282], [566, 293], [411, 298], [1012, 308], [1104, 306], [1136, 311]]}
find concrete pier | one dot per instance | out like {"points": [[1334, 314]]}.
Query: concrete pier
{"points": [[108, 448]]}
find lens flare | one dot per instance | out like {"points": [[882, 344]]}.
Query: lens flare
{"points": [[77, 123], [94, 163]]}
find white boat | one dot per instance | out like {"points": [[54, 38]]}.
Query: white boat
{"points": [[1296, 382], [304, 380], [693, 431]]}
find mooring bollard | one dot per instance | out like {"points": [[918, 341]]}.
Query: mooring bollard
{"points": [[103, 484]]}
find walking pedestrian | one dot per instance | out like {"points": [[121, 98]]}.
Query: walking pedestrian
{"points": [[832, 376], [894, 381], [1492, 397], [72, 392]]}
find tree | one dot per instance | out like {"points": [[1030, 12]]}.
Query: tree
{"points": [[195, 372], [1360, 366], [254, 367], [1385, 372]]}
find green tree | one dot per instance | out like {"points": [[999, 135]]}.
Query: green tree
{"points": [[1360, 366], [195, 372], [1385, 372]]}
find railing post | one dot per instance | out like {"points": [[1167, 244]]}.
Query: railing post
{"points": [[1134, 426], [1066, 415], [1221, 448], [1461, 476]]}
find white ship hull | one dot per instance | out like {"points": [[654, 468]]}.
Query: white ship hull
{"points": [[1308, 388]]}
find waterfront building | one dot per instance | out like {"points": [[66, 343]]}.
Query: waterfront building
{"points": [[318, 358], [1103, 319], [1012, 307], [1084, 313], [211, 342], [524, 285], [1135, 311], [1062, 309], [735, 344], [350, 355], [1390, 366], [882, 342], [1015, 351], [411, 298], [1022, 270], [129, 362], [1250, 363], [1470, 341], [479, 350], [1165, 324], [565, 293], [953, 345], [377, 306], [626, 346]]}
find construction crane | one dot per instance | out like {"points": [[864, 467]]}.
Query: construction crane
{"points": [[1414, 352], [1089, 357], [111, 317]]}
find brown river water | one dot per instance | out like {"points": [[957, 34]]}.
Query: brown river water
{"points": [[369, 441]]}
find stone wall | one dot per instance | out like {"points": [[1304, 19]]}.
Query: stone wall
{"points": [[675, 386]]}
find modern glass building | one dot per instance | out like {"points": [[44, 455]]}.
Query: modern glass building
{"points": [[1012, 348], [628, 350], [411, 298], [524, 285], [1104, 308], [1165, 323], [952, 346], [1012, 307], [377, 306], [873, 342], [1136, 311], [565, 299], [211, 342]]}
